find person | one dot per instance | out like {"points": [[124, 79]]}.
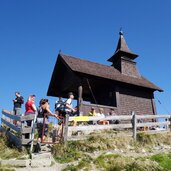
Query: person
{"points": [[60, 107], [92, 112], [68, 105], [58, 104], [112, 113], [18, 101], [43, 112], [101, 113], [30, 107]]}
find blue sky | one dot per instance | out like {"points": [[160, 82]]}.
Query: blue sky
{"points": [[33, 31]]}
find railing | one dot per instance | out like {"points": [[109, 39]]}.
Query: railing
{"points": [[136, 123], [16, 130]]}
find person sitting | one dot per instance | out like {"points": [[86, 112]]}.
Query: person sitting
{"points": [[92, 112], [112, 113], [101, 113]]}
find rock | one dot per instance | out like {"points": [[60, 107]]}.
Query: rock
{"points": [[41, 162], [43, 155], [41, 159], [19, 163], [143, 151]]}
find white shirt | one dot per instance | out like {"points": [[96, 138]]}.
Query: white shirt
{"points": [[69, 103]]}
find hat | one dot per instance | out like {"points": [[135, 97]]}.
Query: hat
{"points": [[70, 93], [32, 95]]}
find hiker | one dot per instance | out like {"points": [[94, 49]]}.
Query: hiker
{"points": [[68, 105], [112, 113], [43, 111], [60, 107], [18, 101], [30, 107], [58, 104], [92, 112], [101, 113]]}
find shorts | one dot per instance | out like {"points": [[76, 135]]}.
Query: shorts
{"points": [[40, 128], [17, 111]]}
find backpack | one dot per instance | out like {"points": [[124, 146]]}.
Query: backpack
{"points": [[60, 106], [22, 100]]}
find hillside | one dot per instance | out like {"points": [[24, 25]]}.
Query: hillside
{"points": [[150, 152], [105, 152]]}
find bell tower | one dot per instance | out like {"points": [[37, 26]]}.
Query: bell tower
{"points": [[123, 58]]}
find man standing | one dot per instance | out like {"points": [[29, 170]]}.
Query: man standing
{"points": [[69, 109], [18, 101]]}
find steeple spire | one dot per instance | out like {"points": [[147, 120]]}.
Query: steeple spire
{"points": [[122, 50], [123, 58]]}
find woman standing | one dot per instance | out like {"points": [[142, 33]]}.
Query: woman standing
{"points": [[30, 107], [43, 111]]}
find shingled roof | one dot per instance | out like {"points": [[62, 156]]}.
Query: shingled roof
{"points": [[122, 49], [104, 71]]}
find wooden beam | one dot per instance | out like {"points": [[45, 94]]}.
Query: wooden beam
{"points": [[11, 116], [148, 124], [99, 127], [152, 116], [11, 126], [116, 117], [27, 117], [14, 139], [97, 118], [79, 101], [117, 99], [153, 106], [65, 131], [26, 130], [134, 125]]}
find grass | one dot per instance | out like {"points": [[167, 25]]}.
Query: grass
{"points": [[7, 150], [98, 153], [164, 160]]}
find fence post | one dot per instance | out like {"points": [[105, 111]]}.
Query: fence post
{"points": [[134, 125], [65, 132], [170, 122], [32, 132]]}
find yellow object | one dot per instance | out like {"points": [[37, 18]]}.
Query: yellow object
{"points": [[80, 118], [92, 113]]}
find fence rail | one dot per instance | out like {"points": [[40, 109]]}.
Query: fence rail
{"points": [[17, 132], [133, 122], [137, 123]]}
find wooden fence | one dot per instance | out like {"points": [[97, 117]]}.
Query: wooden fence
{"points": [[19, 134], [133, 122]]}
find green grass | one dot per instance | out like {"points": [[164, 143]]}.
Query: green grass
{"points": [[93, 153], [164, 160], [8, 151]]}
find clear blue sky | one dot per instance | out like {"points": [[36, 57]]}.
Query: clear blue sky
{"points": [[33, 31]]}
